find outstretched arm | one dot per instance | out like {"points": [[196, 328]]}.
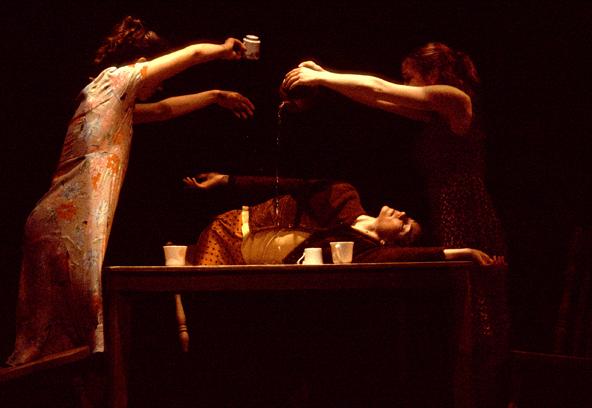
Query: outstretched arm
{"points": [[157, 70], [415, 102], [475, 255], [251, 184], [206, 181], [175, 106]]}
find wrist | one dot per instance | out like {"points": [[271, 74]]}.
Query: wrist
{"points": [[217, 96], [226, 51], [322, 78]]}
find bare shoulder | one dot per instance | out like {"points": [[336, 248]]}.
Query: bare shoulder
{"points": [[454, 105]]}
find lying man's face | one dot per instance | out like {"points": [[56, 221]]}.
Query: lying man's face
{"points": [[394, 225]]}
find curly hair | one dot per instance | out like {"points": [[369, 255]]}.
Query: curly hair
{"points": [[451, 67], [129, 40]]}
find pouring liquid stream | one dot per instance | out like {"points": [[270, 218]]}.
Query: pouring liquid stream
{"points": [[280, 118]]}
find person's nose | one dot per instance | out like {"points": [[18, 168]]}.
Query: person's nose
{"points": [[399, 214]]}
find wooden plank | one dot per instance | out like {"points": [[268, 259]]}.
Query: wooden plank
{"points": [[552, 360], [48, 362]]}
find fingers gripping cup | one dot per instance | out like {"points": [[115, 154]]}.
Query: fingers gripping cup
{"points": [[174, 255], [342, 251], [253, 44], [311, 256]]}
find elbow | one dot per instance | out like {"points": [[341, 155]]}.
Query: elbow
{"points": [[378, 87], [153, 112], [163, 111], [193, 51]]}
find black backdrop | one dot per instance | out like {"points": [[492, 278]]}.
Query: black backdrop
{"points": [[535, 92]]}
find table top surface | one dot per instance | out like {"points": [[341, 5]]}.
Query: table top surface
{"points": [[159, 278], [279, 268]]}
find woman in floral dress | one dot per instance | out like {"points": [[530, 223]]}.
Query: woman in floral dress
{"points": [[66, 234]]}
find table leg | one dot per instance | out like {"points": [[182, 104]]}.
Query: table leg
{"points": [[118, 343], [181, 323], [464, 342]]}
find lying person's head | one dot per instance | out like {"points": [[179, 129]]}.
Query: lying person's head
{"points": [[396, 227]]}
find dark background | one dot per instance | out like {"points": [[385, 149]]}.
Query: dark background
{"points": [[535, 93]]}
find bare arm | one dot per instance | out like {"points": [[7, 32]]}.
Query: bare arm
{"points": [[157, 70], [475, 255], [180, 105], [206, 181], [415, 102], [270, 184]]}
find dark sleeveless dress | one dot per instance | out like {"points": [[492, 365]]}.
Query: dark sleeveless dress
{"points": [[460, 210], [461, 214]]}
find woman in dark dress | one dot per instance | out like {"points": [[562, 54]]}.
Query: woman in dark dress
{"points": [[439, 90]]}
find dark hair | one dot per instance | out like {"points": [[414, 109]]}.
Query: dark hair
{"points": [[129, 40], [454, 68]]}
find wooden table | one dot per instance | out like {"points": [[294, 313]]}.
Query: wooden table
{"points": [[120, 282]]}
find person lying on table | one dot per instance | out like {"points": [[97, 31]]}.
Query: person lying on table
{"points": [[309, 213]]}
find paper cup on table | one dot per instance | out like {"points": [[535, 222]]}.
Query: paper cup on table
{"points": [[342, 251], [311, 256], [174, 255]]}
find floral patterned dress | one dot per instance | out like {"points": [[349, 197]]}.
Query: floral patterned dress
{"points": [[59, 302]]}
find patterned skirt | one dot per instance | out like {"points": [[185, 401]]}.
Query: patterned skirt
{"points": [[220, 243]]}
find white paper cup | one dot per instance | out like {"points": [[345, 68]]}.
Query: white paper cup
{"points": [[342, 251], [174, 255], [311, 256], [253, 45]]}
